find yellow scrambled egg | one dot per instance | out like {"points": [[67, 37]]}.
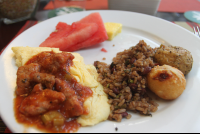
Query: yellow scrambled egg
{"points": [[112, 29], [97, 105]]}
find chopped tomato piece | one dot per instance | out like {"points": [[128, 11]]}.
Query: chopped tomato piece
{"points": [[104, 50]]}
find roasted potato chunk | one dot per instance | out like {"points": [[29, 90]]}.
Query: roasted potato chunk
{"points": [[167, 82], [174, 56]]}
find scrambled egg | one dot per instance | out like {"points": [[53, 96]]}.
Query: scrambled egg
{"points": [[97, 105], [23, 54], [112, 29]]}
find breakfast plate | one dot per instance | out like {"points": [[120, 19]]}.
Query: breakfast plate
{"points": [[180, 115]]}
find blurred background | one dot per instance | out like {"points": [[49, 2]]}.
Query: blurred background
{"points": [[18, 15], [12, 11]]}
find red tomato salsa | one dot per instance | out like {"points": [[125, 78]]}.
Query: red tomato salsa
{"points": [[104, 50]]}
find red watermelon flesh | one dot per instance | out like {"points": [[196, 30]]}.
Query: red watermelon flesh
{"points": [[67, 36], [62, 29], [98, 37]]}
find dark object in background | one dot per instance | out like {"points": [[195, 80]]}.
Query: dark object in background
{"points": [[17, 10]]}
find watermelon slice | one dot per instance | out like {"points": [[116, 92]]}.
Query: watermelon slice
{"points": [[87, 32], [66, 35], [98, 37]]}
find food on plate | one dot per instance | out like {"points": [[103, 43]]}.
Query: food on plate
{"points": [[65, 36], [87, 32], [98, 37], [177, 57], [167, 82], [56, 91], [124, 80], [112, 29], [104, 50], [23, 54]]}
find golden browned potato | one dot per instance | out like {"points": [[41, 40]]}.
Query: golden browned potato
{"points": [[167, 82], [177, 57]]}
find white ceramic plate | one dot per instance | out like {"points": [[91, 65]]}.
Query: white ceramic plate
{"points": [[180, 115]]}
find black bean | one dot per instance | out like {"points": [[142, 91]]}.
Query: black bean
{"points": [[146, 70], [124, 115], [116, 91], [132, 60], [113, 69], [96, 63], [133, 87]]}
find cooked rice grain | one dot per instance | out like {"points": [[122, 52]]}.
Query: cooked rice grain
{"points": [[124, 80]]}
